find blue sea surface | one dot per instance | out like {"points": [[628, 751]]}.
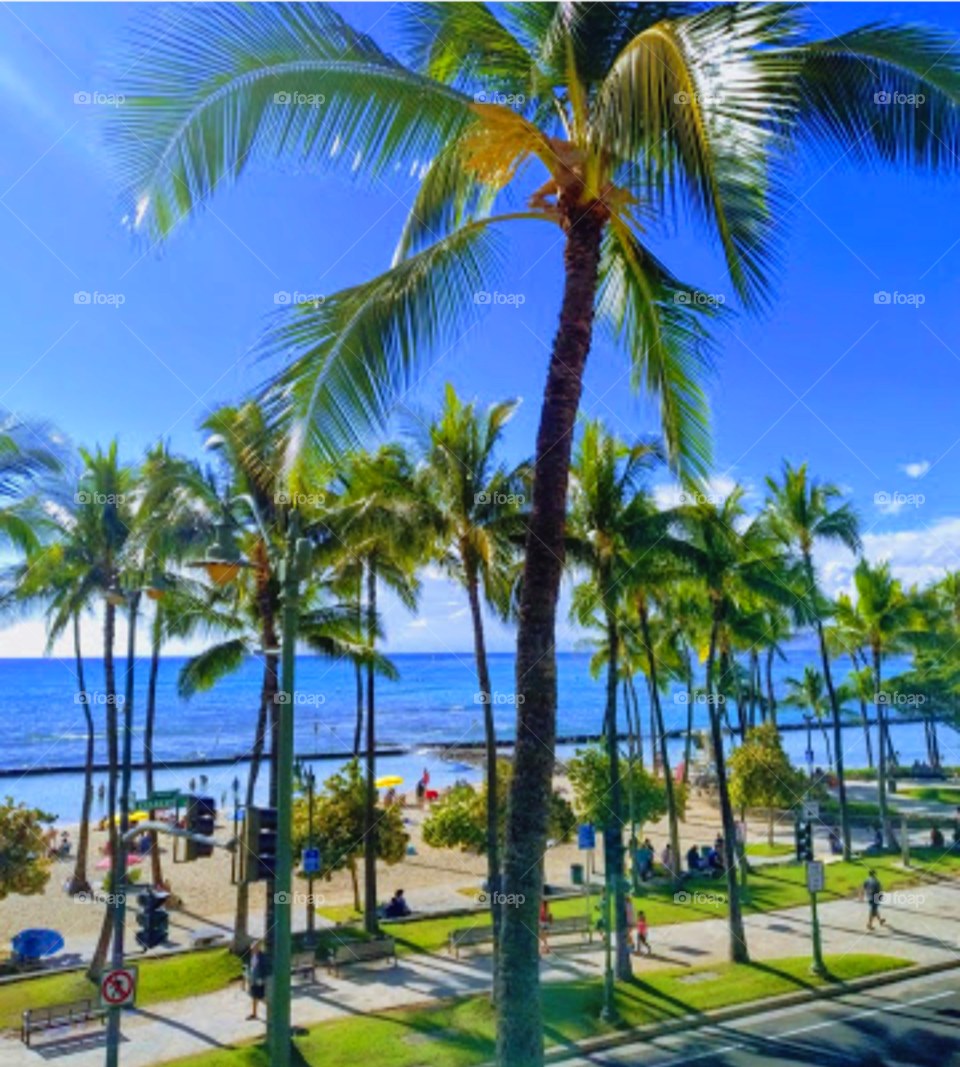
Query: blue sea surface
{"points": [[432, 705]]}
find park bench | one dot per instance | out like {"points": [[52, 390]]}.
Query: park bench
{"points": [[60, 1017], [572, 924], [350, 952], [470, 935], [303, 964], [206, 937]]}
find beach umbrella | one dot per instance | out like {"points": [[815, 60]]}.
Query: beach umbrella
{"points": [[32, 944], [388, 782]]}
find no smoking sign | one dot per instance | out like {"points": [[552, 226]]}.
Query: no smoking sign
{"points": [[118, 988]]}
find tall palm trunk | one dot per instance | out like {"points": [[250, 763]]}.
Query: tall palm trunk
{"points": [[880, 712], [110, 684], [520, 1016], [738, 937], [241, 922], [754, 685], [358, 667], [662, 734], [266, 610], [688, 743], [771, 698], [835, 710], [864, 718], [156, 873], [637, 721], [78, 883], [490, 734], [370, 919], [613, 821]]}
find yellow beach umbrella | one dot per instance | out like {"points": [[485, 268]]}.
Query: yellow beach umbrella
{"points": [[134, 816], [388, 782]]}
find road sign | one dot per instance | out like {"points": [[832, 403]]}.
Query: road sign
{"points": [[809, 755], [815, 878], [586, 837], [311, 861], [118, 988], [811, 810]]}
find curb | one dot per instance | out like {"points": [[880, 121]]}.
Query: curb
{"points": [[740, 1011]]}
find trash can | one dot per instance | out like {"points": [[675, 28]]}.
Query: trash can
{"points": [[576, 873]]}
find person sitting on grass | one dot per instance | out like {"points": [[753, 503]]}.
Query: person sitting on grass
{"points": [[398, 906], [694, 860], [936, 837]]}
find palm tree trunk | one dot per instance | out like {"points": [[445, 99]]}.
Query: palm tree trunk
{"points": [[78, 883], [241, 923], [837, 733], [637, 720], [358, 728], [654, 732], [520, 1015], [754, 686], [370, 919], [661, 732], [738, 936], [110, 684], [688, 744], [613, 822], [771, 699], [156, 873], [490, 733], [632, 760], [889, 839], [863, 712]]}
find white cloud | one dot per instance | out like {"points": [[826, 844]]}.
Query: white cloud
{"points": [[671, 494], [458, 614], [916, 470]]}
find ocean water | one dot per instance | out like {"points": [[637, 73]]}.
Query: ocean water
{"points": [[432, 705]]}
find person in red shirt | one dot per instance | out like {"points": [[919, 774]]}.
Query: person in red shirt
{"points": [[642, 941], [546, 918]]}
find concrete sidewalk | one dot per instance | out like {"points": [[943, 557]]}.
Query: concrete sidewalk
{"points": [[923, 925]]}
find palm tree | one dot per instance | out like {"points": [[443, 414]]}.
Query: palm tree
{"points": [[605, 508], [105, 518], [889, 618], [801, 514], [477, 504], [808, 692], [382, 519], [732, 566], [631, 111], [32, 467]]}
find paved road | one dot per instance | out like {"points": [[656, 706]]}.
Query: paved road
{"points": [[914, 1023]]}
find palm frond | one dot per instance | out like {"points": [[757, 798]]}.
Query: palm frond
{"points": [[203, 671], [221, 85], [662, 323], [352, 357]]}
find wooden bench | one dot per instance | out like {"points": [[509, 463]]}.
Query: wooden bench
{"points": [[59, 1016], [483, 934], [303, 964], [350, 952], [466, 936]]}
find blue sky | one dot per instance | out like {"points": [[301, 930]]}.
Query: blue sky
{"points": [[865, 392]]}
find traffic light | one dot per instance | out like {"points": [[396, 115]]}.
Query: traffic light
{"points": [[201, 819], [804, 841], [152, 918], [260, 844]]}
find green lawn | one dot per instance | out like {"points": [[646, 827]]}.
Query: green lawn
{"points": [[172, 978], [460, 1033], [762, 848], [937, 794]]}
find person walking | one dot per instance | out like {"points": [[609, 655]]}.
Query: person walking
{"points": [[257, 977], [873, 894], [546, 918], [642, 941]]}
